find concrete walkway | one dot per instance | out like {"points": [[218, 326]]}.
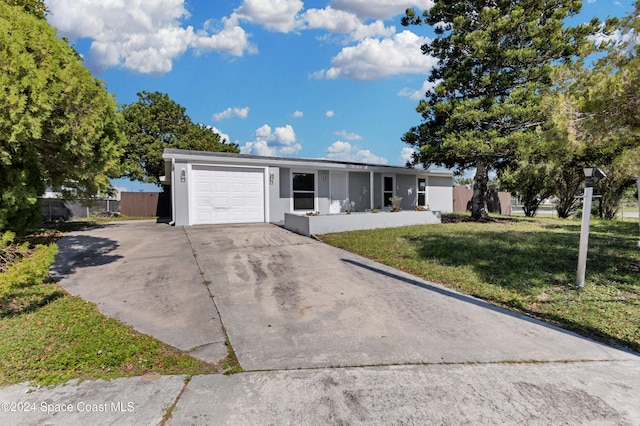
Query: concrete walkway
{"points": [[325, 337]]}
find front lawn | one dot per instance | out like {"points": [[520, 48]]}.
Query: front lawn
{"points": [[527, 265]]}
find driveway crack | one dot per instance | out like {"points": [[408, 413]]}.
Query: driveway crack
{"points": [[231, 356], [169, 410]]}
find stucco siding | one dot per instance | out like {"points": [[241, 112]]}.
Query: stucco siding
{"points": [[285, 182], [181, 193], [359, 191], [406, 188], [323, 194], [440, 194], [278, 205]]}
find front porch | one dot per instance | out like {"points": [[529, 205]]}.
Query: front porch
{"points": [[325, 224]]}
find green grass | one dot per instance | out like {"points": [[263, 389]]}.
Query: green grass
{"points": [[230, 364], [629, 208], [49, 337], [527, 265], [68, 338]]}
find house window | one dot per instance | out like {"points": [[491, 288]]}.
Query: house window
{"points": [[422, 191], [387, 190], [304, 191]]}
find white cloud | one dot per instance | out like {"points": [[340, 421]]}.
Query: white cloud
{"points": [[374, 29], [147, 36], [381, 9], [297, 114], [335, 21], [223, 136], [372, 58], [275, 15], [285, 135], [330, 113], [416, 95], [406, 156], [344, 151], [231, 39], [615, 38], [144, 36], [348, 136], [272, 143], [339, 21], [231, 112]]}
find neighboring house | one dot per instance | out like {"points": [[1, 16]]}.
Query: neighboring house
{"points": [[57, 193], [220, 187]]}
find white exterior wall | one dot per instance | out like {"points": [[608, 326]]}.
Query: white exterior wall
{"points": [[318, 225], [180, 193], [440, 193], [278, 194], [323, 195]]}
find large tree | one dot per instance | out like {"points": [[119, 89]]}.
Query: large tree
{"points": [[495, 62], [58, 125], [598, 109], [531, 181], [37, 8], [155, 122]]}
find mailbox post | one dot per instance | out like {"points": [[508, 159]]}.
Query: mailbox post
{"points": [[589, 173]]}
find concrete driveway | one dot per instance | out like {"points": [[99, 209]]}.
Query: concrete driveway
{"points": [[327, 337], [290, 302]]}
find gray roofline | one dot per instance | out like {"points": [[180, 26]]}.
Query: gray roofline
{"points": [[203, 156]]}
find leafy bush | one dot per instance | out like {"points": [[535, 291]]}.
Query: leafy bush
{"points": [[9, 252], [30, 270], [20, 283]]}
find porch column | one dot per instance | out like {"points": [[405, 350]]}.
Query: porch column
{"points": [[371, 190]]}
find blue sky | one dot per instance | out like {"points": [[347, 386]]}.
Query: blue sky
{"points": [[336, 79]]}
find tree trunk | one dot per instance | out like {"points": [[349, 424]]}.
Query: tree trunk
{"points": [[612, 191], [479, 199], [530, 205], [569, 180]]}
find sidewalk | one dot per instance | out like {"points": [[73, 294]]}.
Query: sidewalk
{"points": [[602, 393]]}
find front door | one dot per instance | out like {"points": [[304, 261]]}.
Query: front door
{"points": [[339, 193]]}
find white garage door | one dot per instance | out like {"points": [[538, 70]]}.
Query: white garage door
{"points": [[226, 195]]}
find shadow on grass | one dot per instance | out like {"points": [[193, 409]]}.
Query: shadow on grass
{"points": [[27, 301], [527, 260]]}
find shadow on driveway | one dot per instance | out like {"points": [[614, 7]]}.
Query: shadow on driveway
{"points": [[82, 251]]}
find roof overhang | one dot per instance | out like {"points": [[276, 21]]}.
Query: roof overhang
{"points": [[320, 164]]}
